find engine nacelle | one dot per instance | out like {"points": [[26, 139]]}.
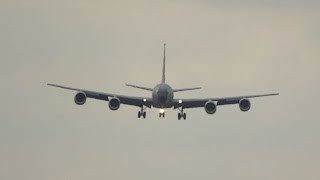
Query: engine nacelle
{"points": [[244, 104], [114, 103], [210, 107], [80, 98]]}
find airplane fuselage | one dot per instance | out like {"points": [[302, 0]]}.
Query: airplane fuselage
{"points": [[162, 96]]}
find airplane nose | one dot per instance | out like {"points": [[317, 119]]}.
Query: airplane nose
{"points": [[162, 96], [162, 99]]}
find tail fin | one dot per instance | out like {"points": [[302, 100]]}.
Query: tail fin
{"points": [[164, 64]]}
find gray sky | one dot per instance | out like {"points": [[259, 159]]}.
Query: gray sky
{"points": [[227, 47]]}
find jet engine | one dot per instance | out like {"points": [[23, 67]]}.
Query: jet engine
{"points": [[80, 98], [114, 103], [244, 104], [210, 107]]}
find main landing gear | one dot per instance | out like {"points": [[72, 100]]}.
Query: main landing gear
{"points": [[181, 114], [142, 113]]}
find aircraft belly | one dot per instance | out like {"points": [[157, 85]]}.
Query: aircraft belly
{"points": [[164, 106]]}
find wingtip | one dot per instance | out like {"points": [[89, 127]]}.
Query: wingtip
{"points": [[274, 94], [50, 84]]}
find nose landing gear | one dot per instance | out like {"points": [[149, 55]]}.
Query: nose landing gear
{"points": [[161, 115], [142, 113]]}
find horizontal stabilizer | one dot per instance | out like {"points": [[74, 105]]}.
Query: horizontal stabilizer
{"points": [[185, 89], [140, 87]]}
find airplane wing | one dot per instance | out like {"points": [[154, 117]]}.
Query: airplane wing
{"points": [[194, 103], [128, 100]]}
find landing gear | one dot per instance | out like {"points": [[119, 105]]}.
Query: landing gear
{"points": [[161, 115], [142, 113], [181, 114]]}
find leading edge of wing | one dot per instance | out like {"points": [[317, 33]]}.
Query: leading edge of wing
{"points": [[235, 97], [191, 103], [64, 87], [262, 95], [129, 100]]}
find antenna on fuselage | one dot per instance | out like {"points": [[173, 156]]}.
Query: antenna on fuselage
{"points": [[164, 64]]}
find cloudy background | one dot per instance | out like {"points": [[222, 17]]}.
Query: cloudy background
{"points": [[227, 47]]}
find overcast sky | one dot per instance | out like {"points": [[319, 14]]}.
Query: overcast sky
{"points": [[228, 47]]}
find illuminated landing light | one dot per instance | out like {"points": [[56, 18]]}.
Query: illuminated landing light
{"points": [[144, 100], [180, 101], [161, 110]]}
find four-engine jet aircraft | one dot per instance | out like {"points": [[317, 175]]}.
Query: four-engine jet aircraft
{"points": [[162, 97]]}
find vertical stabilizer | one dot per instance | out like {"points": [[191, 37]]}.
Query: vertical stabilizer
{"points": [[164, 64]]}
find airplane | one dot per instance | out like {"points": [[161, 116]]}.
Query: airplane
{"points": [[163, 98]]}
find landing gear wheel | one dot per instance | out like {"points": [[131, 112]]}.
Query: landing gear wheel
{"points": [[181, 114], [142, 113], [161, 115]]}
